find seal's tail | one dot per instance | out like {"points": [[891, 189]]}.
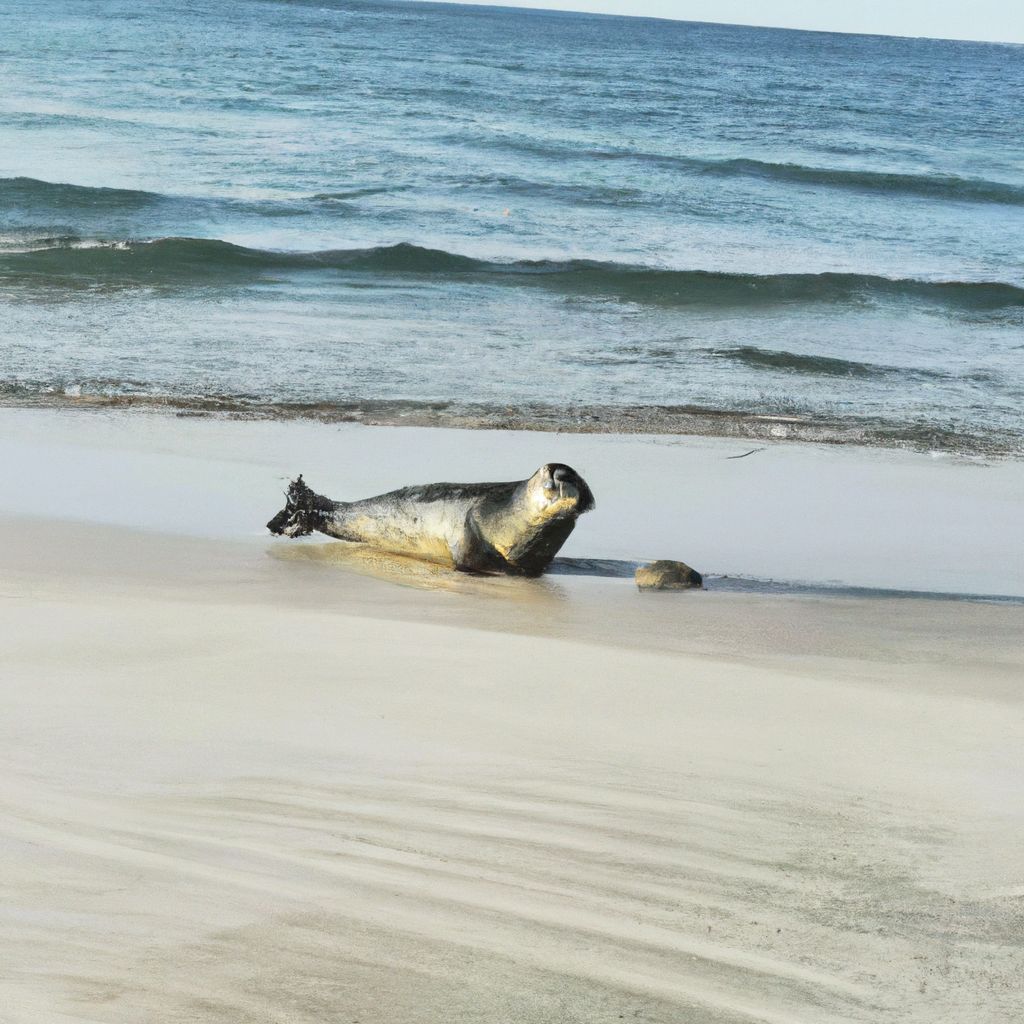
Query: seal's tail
{"points": [[304, 511]]}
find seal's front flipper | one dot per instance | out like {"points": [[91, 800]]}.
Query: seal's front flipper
{"points": [[304, 511], [474, 555]]}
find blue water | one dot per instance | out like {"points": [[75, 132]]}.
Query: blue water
{"points": [[490, 213]]}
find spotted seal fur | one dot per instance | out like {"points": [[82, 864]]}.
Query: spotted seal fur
{"points": [[515, 528]]}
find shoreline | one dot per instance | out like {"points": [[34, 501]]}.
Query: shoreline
{"points": [[644, 420]]}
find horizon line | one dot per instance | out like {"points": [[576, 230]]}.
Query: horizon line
{"points": [[698, 21]]}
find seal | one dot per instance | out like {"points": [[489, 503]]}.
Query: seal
{"points": [[515, 528]]}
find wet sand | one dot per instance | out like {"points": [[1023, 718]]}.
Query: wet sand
{"points": [[248, 780]]}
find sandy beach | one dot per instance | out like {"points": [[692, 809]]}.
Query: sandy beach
{"points": [[254, 780]]}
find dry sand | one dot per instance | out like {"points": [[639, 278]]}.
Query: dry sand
{"points": [[248, 781]]}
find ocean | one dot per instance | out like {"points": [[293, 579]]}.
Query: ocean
{"points": [[410, 212]]}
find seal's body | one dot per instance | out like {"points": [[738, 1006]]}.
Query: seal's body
{"points": [[514, 528]]}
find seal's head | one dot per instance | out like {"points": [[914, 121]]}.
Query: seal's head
{"points": [[557, 491]]}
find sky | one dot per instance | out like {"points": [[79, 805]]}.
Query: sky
{"points": [[994, 20]]}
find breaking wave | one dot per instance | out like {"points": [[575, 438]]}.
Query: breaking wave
{"points": [[198, 261]]}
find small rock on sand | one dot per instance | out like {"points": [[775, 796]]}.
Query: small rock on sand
{"points": [[667, 575]]}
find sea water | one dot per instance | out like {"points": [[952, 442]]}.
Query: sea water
{"points": [[282, 206]]}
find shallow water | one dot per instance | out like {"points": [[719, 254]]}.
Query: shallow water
{"points": [[281, 203]]}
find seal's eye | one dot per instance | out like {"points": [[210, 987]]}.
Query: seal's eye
{"points": [[563, 475]]}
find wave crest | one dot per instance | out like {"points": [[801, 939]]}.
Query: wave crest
{"points": [[211, 261]]}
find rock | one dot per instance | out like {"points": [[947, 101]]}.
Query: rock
{"points": [[667, 575]]}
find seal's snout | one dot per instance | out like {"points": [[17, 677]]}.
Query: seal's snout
{"points": [[557, 473], [568, 484]]}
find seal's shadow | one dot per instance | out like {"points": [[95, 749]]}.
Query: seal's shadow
{"points": [[611, 568]]}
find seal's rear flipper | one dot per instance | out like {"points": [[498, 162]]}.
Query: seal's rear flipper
{"points": [[304, 511]]}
